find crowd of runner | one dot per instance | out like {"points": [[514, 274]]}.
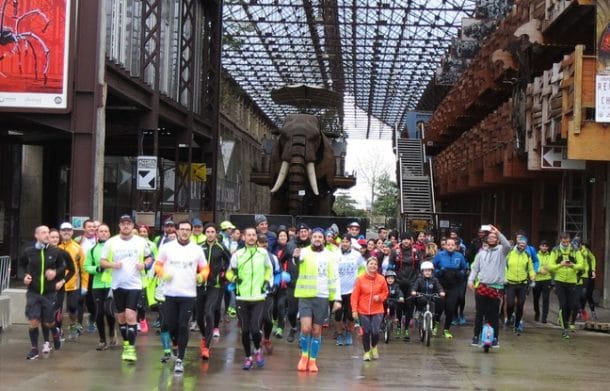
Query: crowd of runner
{"points": [[290, 282]]}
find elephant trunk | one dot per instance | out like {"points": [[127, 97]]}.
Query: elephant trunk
{"points": [[311, 174], [296, 183], [281, 176]]}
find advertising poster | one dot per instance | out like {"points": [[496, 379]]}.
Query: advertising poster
{"points": [[34, 45], [602, 79]]}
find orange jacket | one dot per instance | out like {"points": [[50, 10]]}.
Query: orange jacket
{"points": [[81, 277], [365, 288]]}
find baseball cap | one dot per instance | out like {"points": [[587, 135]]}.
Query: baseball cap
{"points": [[354, 224], [196, 223], [302, 226], [169, 222], [125, 217], [226, 225], [66, 226]]}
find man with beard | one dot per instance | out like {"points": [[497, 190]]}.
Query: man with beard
{"points": [[407, 262]]}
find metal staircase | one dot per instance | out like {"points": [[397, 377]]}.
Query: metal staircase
{"points": [[574, 212], [416, 201]]}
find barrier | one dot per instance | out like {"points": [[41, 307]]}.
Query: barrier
{"points": [[5, 272]]}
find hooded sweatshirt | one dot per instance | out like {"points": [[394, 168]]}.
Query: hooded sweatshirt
{"points": [[490, 264]]}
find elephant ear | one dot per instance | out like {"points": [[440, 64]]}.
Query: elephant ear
{"points": [[326, 167]]}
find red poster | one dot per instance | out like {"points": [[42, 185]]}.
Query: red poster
{"points": [[34, 48]]}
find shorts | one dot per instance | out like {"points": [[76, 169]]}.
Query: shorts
{"points": [[40, 307], [315, 308], [126, 299]]}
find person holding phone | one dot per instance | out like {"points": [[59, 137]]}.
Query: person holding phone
{"points": [[567, 265]]}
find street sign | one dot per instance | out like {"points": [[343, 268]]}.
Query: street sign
{"points": [[556, 158], [146, 173]]}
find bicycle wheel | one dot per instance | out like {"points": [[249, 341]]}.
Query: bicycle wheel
{"points": [[420, 327], [428, 327]]}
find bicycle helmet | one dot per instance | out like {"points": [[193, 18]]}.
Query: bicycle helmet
{"points": [[426, 265], [390, 273]]}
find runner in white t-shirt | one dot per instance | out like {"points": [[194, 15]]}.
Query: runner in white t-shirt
{"points": [[126, 255], [182, 265]]}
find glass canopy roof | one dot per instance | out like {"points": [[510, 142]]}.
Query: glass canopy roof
{"points": [[381, 54]]}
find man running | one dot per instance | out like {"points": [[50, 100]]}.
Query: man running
{"points": [[126, 255], [252, 272], [44, 275], [317, 284], [350, 264], [182, 265]]}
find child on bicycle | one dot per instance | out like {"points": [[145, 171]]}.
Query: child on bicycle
{"points": [[395, 297], [427, 284]]}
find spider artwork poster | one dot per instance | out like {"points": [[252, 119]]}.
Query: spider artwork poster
{"points": [[34, 49]]}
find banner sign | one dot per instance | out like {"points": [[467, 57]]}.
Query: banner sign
{"points": [[34, 53], [146, 173]]}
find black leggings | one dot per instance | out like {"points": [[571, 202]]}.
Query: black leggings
{"points": [[370, 330], [208, 302], [515, 292], [542, 288], [452, 296], [268, 316], [461, 304], [178, 312], [568, 301], [100, 298], [292, 308], [251, 316], [588, 285], [345, 313], [280, 308]]}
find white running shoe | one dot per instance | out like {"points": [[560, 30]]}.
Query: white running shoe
{"points": [[46, 348], [178, 366]]}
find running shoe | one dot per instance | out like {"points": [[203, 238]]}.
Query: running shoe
{"points": [[32, 354], [461, 320], [398, 332], [435, 329], [454, 322], [91, 328], [247, 364], [101, 346], [204, 351], [167, 355], [374, 353], [312, 366], [216, 332], [129, 353], [56, 339], [232, 312], [565, 334], [593, 315], [340, 339], [495, 343], [406, 335], [143, 326], [348, 338], [291, 335], [572, 327], [302, 365], [475, 341], [178, 366], [113, 342], [519, 328], [194, 326], [156, 324], [366, 356], [447, 334], [46, 348], [267, 346], [279, 333], [259, 358]]}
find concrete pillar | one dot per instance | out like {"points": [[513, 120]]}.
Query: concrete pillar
{"points": [[30, 212]]}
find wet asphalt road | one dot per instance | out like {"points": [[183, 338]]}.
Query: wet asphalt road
{"points": [[538, 360]]}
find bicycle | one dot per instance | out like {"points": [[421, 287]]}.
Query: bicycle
{"points": [[425, 319], [387, 326]]}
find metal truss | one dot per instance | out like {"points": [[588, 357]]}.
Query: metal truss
{"points": [[383, 53]]}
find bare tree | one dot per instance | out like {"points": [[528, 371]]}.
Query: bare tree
{"points": [[371, 167]]}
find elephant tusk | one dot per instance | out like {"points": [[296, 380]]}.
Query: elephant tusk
{"points": [[281, 177], [311, 174]]}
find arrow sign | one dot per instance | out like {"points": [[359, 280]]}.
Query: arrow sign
{"points": [[147, 173], [555, 157]]}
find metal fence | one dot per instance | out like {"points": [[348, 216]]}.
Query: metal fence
{"points": [[5, 272]]}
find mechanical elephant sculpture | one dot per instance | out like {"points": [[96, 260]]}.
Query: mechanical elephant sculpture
{"points": [[303, 169]]}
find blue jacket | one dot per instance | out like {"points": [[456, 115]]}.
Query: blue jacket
{"points": [[531, 251], [450, 268]]}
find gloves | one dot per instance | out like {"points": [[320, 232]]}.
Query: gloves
{"points": [[266, 287], [285, 277], [83, 291], [355, 316], [200, 278], [238, 281]]}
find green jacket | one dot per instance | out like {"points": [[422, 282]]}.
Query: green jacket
{"points": [[92, 266], [567, 274], [545, 259], [519, 267], [589, 261], [250, 268]]}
